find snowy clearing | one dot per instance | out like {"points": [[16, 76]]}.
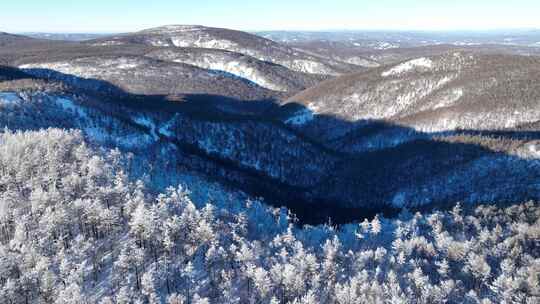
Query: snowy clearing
{"points": [[409, 66]]}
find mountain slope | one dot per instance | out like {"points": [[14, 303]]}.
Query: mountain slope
{"points": [[422, 132], [8, 39], [104, 238], [344, 51], [429, 94], [270, 76], [281, 162], [230, 40], [396, 55], [244, 152], [12, 45], [430, 130], [146, 76], [262, 73], [25, 51]]}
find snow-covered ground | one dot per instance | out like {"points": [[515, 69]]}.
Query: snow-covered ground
{"points": [[69, 105], [308, 66], [389, 99], [300, 118], [108, 43], [363, 62], [385, 46], [79, 69], [448, 99], [165, 128], [234, 67], [9, 98], [201, 42], [487, 119], [408, 66], [148, 123]]}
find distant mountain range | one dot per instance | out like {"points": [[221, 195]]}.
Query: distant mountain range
{"points": [[395, 39], [64, 36]]}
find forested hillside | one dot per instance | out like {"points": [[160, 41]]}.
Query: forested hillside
{"points": [[75, 229]]}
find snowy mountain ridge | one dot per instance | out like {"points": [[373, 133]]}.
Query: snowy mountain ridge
{"points": [[264, 74], [229, 40], [431, 94], [144, 75]]}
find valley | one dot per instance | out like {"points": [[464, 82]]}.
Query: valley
{"points": [[297, 138]]}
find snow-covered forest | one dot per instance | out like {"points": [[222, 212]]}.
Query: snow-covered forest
{"points": [[193, 164], [75, 228]]}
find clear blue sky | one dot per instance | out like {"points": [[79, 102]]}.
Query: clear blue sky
{"points": [[130, 15]]}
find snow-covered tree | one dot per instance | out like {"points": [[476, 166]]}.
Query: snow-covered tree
{"points": [[76, 228]]}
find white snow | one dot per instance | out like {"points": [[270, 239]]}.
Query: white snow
{"points": [[314, 107], [198, 37], [408, 66], [384, 46], [147, 122], [126, 66], [449, 99], [108, 43], [175, 28], [179, 42], [464, 43], [234, 67], [533, 149], [8, 98], [308, 66], [159, 43], [362, 62], [203, 42], [486, 119], [164, 129], [391, 99], [69, 105], [300, 118], [79, 67]]}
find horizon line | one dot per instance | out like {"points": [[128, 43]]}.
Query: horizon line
{"points": [[449, 30]]}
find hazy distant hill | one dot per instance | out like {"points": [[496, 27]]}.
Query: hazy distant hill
{"points": [[7, 39], [380, 39], [64, 36]]}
